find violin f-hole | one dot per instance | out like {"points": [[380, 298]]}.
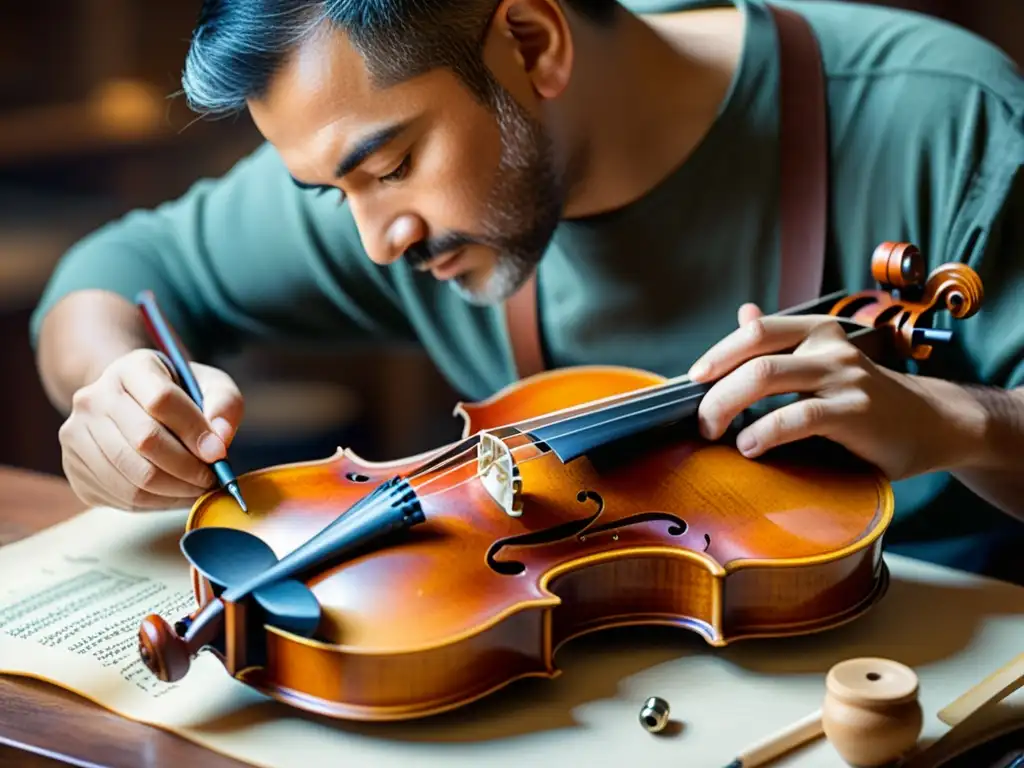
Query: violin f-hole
{"points": [[571, 529]]}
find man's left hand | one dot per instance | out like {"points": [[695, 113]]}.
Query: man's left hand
{"points": [[887, 418]]}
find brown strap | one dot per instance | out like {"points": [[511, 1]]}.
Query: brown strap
{"points": [[803, 161], [803, 169]]}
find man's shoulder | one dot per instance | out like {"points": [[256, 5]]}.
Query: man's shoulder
{"points": [[884, 48], [926, 121]]}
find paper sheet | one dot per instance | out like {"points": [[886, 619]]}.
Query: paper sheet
{"points": [[71, 599]]}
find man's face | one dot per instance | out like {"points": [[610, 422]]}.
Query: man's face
{"points": [[467, 190]]}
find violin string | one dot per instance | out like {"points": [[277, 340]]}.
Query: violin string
{"points": [[675, 385], [681, 383], [594, 406], [638, 396], [650, 390], [530, 444], [653, 390]]}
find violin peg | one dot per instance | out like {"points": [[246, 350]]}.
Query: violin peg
{"points": [[163, 652], [871, 713], [898, 265]]}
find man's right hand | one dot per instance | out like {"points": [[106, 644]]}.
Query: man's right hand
{"points": [[135, 440]]}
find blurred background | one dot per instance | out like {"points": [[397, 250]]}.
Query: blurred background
{"points": [[87, 133]]}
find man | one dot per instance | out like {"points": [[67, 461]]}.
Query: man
{"points": [[423, 159]]}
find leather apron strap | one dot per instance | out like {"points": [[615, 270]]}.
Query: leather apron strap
{"points": [[803, 194], [803, 159]]}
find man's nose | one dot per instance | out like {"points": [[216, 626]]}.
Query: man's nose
{"points": [[404, 232]]}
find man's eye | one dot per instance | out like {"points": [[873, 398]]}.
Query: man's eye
{"points": [[399, 173]]}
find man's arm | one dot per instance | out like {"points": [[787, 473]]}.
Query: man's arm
{"points": [[996, 474], [987, 232], [84, 333], [962, 413], [246, 256]]}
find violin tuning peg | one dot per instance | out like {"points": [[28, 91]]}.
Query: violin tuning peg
{"points": [[931, 336], [898, 265]]}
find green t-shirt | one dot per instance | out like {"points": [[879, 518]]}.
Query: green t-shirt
{"points": [[926, 127]]}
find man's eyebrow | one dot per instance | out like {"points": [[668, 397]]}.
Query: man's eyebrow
{"points": [[368, 146]]}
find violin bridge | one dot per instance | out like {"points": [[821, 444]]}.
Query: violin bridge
{"points": [[499, 474]]}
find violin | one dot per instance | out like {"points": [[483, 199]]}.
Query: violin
{"points": [[576, 500]]}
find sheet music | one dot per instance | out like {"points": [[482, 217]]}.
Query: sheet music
{"points": [[72, 599], [94, 611]]}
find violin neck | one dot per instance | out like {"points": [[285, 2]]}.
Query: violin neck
{"points": [[595, 425], [820, 306]]}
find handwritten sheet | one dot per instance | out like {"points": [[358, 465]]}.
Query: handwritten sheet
{"points": [[72, 597]]}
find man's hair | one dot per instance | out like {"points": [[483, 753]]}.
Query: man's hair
{"points": [[238, 45]]}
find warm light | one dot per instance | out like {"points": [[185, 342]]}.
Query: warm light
{"points": [[126, 106]]}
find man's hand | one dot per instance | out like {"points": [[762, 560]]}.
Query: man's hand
{"points": [[890, 419], [136, 441]]}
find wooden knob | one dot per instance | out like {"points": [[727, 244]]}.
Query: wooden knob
{"points": [[871, 714], [898, 265], [162, 651]]}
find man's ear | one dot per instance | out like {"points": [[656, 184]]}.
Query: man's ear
{"points": [[531, 39]]}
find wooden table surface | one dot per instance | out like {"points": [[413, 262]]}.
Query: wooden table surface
{"points": [[43, 725]]}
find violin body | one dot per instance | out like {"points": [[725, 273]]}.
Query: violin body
{"points": [[692, 535], [518, 544]]}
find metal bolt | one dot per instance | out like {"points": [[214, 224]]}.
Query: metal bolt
{"points": [[654, 715]]}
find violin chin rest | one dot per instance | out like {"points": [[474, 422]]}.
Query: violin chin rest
{"points": [[289, 605], [226, 556]]}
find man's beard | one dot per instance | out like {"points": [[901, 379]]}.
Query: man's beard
{"points": [[523, 208]]}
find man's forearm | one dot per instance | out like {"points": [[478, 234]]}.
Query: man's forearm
{"points": [[986, 441], [83, 334]]}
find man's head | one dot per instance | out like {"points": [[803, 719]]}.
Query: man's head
{"points": [[467, 163]]}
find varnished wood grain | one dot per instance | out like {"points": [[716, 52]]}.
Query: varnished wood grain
{"points": [[42, 725]]}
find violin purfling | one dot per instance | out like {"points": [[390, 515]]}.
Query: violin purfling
{"points": [[576, 500]]}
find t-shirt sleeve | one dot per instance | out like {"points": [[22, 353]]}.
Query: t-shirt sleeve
{"points": [[986, 232], [247, 256]]}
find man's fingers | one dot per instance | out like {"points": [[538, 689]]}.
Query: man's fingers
{"points": [[748, 313], [82, 479], [154, 442], [169, 404], [796, 421], [759, 336], [223, 402], [92, 491], [754, 380], [134, 470], [95, 479]]}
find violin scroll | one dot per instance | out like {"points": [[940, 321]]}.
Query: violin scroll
{"points": [[907, 308], [901, 266], [958, 287]]}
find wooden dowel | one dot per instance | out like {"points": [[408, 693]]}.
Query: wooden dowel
{"points": [[792, 736], [992, 689]]}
